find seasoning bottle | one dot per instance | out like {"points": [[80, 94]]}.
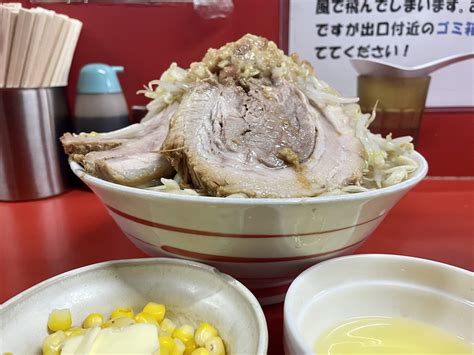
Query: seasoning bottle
{"points": [[100, 105]]}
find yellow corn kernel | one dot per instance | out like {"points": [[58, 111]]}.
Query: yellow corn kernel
{"points": [[53, 342], [143, 317], [74, 332], [167, 327], [122, 312], [156, 310], [166, 342], [179, 347], [93, 320], [106, 324], [190, 347], [215, 346], [59, 319], [8, 353], [120, 322], [184, 333], [164, 351], [204, 332], [200, 351]]}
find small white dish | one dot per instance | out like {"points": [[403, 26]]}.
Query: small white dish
{"points": [[191, 291], [377, 285]]}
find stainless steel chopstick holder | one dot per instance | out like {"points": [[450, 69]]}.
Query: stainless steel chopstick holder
{"points": [[32, 163]]}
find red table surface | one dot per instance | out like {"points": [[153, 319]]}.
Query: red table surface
{"points": [[40, 239]]}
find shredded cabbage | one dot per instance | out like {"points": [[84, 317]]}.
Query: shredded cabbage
{"points": [[170, 88], [388, 161], [171, 186]]}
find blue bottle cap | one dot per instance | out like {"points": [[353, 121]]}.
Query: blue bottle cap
{"points": [[99, 78]]}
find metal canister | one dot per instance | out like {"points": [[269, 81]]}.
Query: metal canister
{"points": [[32, 163]]}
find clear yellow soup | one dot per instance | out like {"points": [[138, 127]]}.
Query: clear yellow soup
{"points": [[385, 335]]}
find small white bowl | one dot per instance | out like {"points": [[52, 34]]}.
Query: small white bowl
{"points": [[191, 291], [376, 285], [264, 243]]}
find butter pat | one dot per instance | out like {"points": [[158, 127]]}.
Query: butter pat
{"points": [[136, 339]]}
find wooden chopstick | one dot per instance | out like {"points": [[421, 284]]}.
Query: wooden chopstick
{"points": [[47, 43], [21, 42], [61, 73], [7, 29], [42, 18], [4, 24], [56, 52]]}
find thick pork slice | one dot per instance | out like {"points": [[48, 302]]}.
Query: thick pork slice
{"points": [[129, 156], [263, 139]]}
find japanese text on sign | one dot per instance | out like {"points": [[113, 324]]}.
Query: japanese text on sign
{"points": [[406, 32]]}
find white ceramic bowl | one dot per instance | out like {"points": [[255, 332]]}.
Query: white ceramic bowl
{"points": [[264, 243], [192, 292], [376, 285]]}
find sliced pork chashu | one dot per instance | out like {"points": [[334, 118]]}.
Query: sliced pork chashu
{"points": [[129, 156], [263, 139]]}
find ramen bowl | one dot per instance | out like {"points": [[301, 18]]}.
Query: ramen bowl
{"points": [[264, 243], [192, 293]]}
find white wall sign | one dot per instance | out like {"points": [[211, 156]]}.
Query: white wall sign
{"points": [[406, 32]]}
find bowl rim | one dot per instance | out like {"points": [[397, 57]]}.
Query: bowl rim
{"points": [[249, 297], [419, 174], [289, 318]]}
